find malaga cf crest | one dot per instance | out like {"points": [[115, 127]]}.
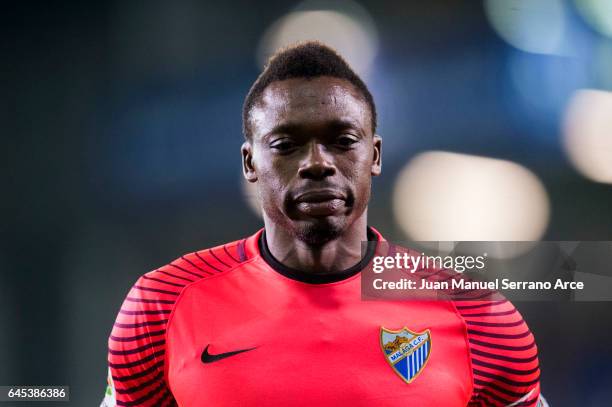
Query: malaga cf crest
{"points": [[407, 352]]}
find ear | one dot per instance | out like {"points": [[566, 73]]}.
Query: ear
{"points": [[377, 157], [248, 169]]}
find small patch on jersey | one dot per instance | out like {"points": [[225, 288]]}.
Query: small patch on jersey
{"points": [[109, 395], [407, 352]]}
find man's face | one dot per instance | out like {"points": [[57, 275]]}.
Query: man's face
{"points": [[312, 155]]}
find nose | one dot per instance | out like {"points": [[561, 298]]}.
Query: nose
{"points": [[317, 164]]}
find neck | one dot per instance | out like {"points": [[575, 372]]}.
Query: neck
{"points": [[332, 257]]}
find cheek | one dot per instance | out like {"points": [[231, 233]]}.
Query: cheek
{"points": [[359, 168], [273, 178], [358, 174], [269, 183]]}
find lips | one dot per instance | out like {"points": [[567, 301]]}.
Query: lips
{"points": [[320, 202], [321, 195]]}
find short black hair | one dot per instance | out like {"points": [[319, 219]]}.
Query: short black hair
{"points": [[303, 60]]}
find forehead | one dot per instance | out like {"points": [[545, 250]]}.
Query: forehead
{"points": [[310, 102]]}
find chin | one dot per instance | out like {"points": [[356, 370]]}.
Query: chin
{"points": [[320, 231]]}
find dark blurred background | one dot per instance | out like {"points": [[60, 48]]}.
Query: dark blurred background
{"points": [[121, 129]]}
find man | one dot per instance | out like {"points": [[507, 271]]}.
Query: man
{"points": [[276, 319]]}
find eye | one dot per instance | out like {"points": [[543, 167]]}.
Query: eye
{"points": [[346, 140], [282, 145]]}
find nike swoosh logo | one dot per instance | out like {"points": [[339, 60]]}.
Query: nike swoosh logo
{"points": [[209, 358]]}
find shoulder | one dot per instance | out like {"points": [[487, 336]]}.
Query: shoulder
{"points": [[163, 285], [503, 352], [136, 346]]}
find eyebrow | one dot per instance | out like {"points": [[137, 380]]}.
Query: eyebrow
{"points": [[296, 127]]}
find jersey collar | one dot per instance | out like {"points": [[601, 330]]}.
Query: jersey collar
{"points": [[256, 245]]}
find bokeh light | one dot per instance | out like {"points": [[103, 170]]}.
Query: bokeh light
{"points": [[544, 84], [536, 26], [587, 134], [458, 197], [343, 25], [598, 13], [602, 64]]}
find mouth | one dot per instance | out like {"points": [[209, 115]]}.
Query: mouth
{"points": [[319, 195], [319, 203]]}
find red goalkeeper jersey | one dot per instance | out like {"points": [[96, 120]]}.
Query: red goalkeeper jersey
{"points": [[231, 326]]}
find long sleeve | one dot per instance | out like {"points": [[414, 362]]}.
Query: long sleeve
{"points": [[136, 346], [504, 355]]}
